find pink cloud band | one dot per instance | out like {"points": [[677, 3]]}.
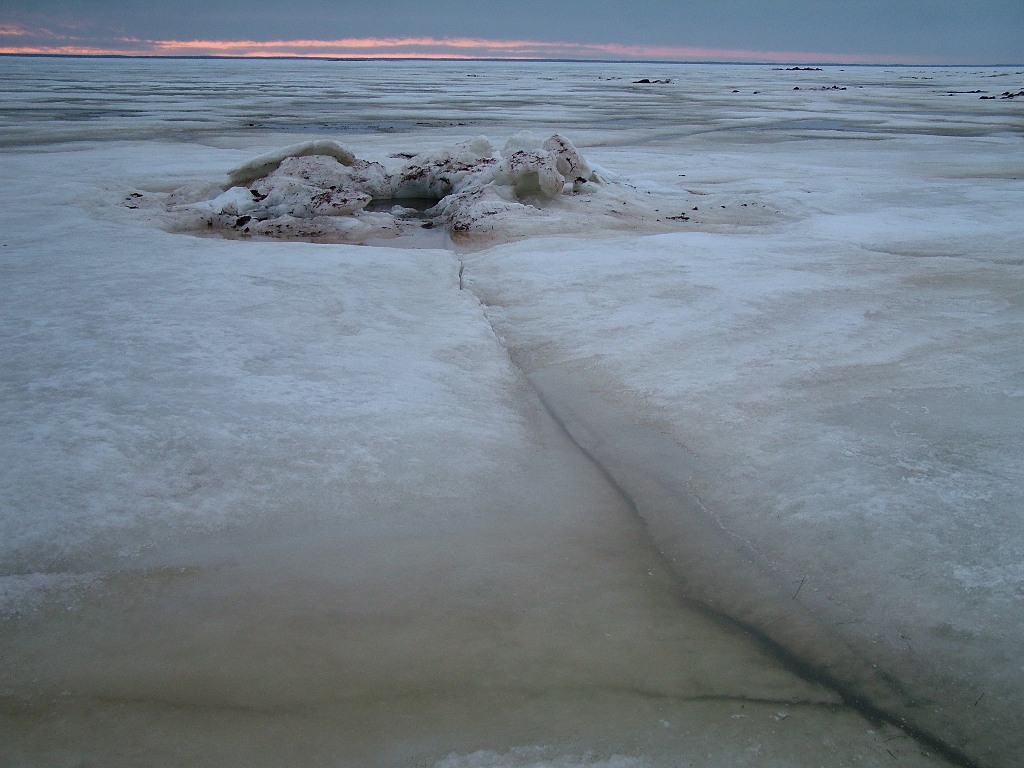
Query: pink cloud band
{"points": [[406, 47]]}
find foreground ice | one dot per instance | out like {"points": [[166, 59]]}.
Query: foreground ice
{"points": [[300, 503], [295, 501], [843, 394]]}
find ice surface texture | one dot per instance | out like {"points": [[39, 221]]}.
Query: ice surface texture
{"points": [[299, 502]]}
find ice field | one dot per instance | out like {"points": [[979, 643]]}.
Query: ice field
{"points": [[713, 458]]}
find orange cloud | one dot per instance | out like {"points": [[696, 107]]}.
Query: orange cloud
{"points": [[412, 47], [415, 47]]}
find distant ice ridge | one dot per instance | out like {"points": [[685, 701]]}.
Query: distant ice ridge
{"points": [[319, 190]]}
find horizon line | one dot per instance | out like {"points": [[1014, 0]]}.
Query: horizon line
{"points": [[45, 42], [471, 58]]}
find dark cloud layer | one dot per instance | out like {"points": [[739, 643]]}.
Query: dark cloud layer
{"points": [[940, 31]]}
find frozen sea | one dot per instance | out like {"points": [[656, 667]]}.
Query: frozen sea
{"points": [[744, 488]]}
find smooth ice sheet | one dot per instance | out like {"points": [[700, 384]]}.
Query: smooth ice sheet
{"points": [[847, 386]]}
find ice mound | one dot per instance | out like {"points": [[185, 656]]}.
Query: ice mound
{"points": [[260, 166], [320, 190], [437, 174]]}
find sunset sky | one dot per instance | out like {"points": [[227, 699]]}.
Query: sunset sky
{"points": [[841, 31]]}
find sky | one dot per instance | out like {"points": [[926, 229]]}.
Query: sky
{"points": [[794, 31]]}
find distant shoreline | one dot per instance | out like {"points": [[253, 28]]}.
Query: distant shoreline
{"points": [[496, 59]]}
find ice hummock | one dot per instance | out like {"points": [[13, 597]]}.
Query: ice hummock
{"points": [[266, 163], [320, 190]]}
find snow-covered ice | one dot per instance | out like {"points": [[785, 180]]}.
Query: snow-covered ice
{"points": [[709, 429]]}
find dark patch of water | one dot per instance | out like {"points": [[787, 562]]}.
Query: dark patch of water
{"points": [[414, 207]]}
